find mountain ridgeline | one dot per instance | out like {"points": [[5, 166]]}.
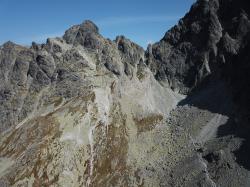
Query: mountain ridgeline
{"points": [[83, 110]]}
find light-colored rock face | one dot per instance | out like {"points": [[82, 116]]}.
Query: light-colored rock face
{"points": [[83, 110], [95, 116], [93, 125], [90, 126]]}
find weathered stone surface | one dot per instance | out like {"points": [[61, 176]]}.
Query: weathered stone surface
{"points": [[189, 52], [76, 110], [83, 110], [85, 34]]}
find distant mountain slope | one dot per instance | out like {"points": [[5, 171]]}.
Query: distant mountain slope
{"points": [[83, 110]]}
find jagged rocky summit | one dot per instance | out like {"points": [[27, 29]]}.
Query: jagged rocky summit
{"points": [[82, 110]]}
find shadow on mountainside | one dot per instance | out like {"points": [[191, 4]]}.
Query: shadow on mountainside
{"points": [[214, 96]]}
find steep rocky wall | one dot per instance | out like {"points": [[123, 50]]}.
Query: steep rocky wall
{"points": [[80, 111], [83, 110], [209, 41]]}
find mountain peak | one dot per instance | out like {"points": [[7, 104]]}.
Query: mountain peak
{"points": [[77, 34], [83, 110], [89, 26]]}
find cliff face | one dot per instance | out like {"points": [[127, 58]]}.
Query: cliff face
{"points": [[209, 40], [80, 111], [83, 110]]}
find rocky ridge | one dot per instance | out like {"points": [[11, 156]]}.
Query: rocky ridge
{"points": [[82, 110]]}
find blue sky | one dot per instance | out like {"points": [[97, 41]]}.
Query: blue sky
{"points": [[143, 21]]}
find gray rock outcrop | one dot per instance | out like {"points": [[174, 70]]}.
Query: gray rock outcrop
{"points": [[83, 110]]}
